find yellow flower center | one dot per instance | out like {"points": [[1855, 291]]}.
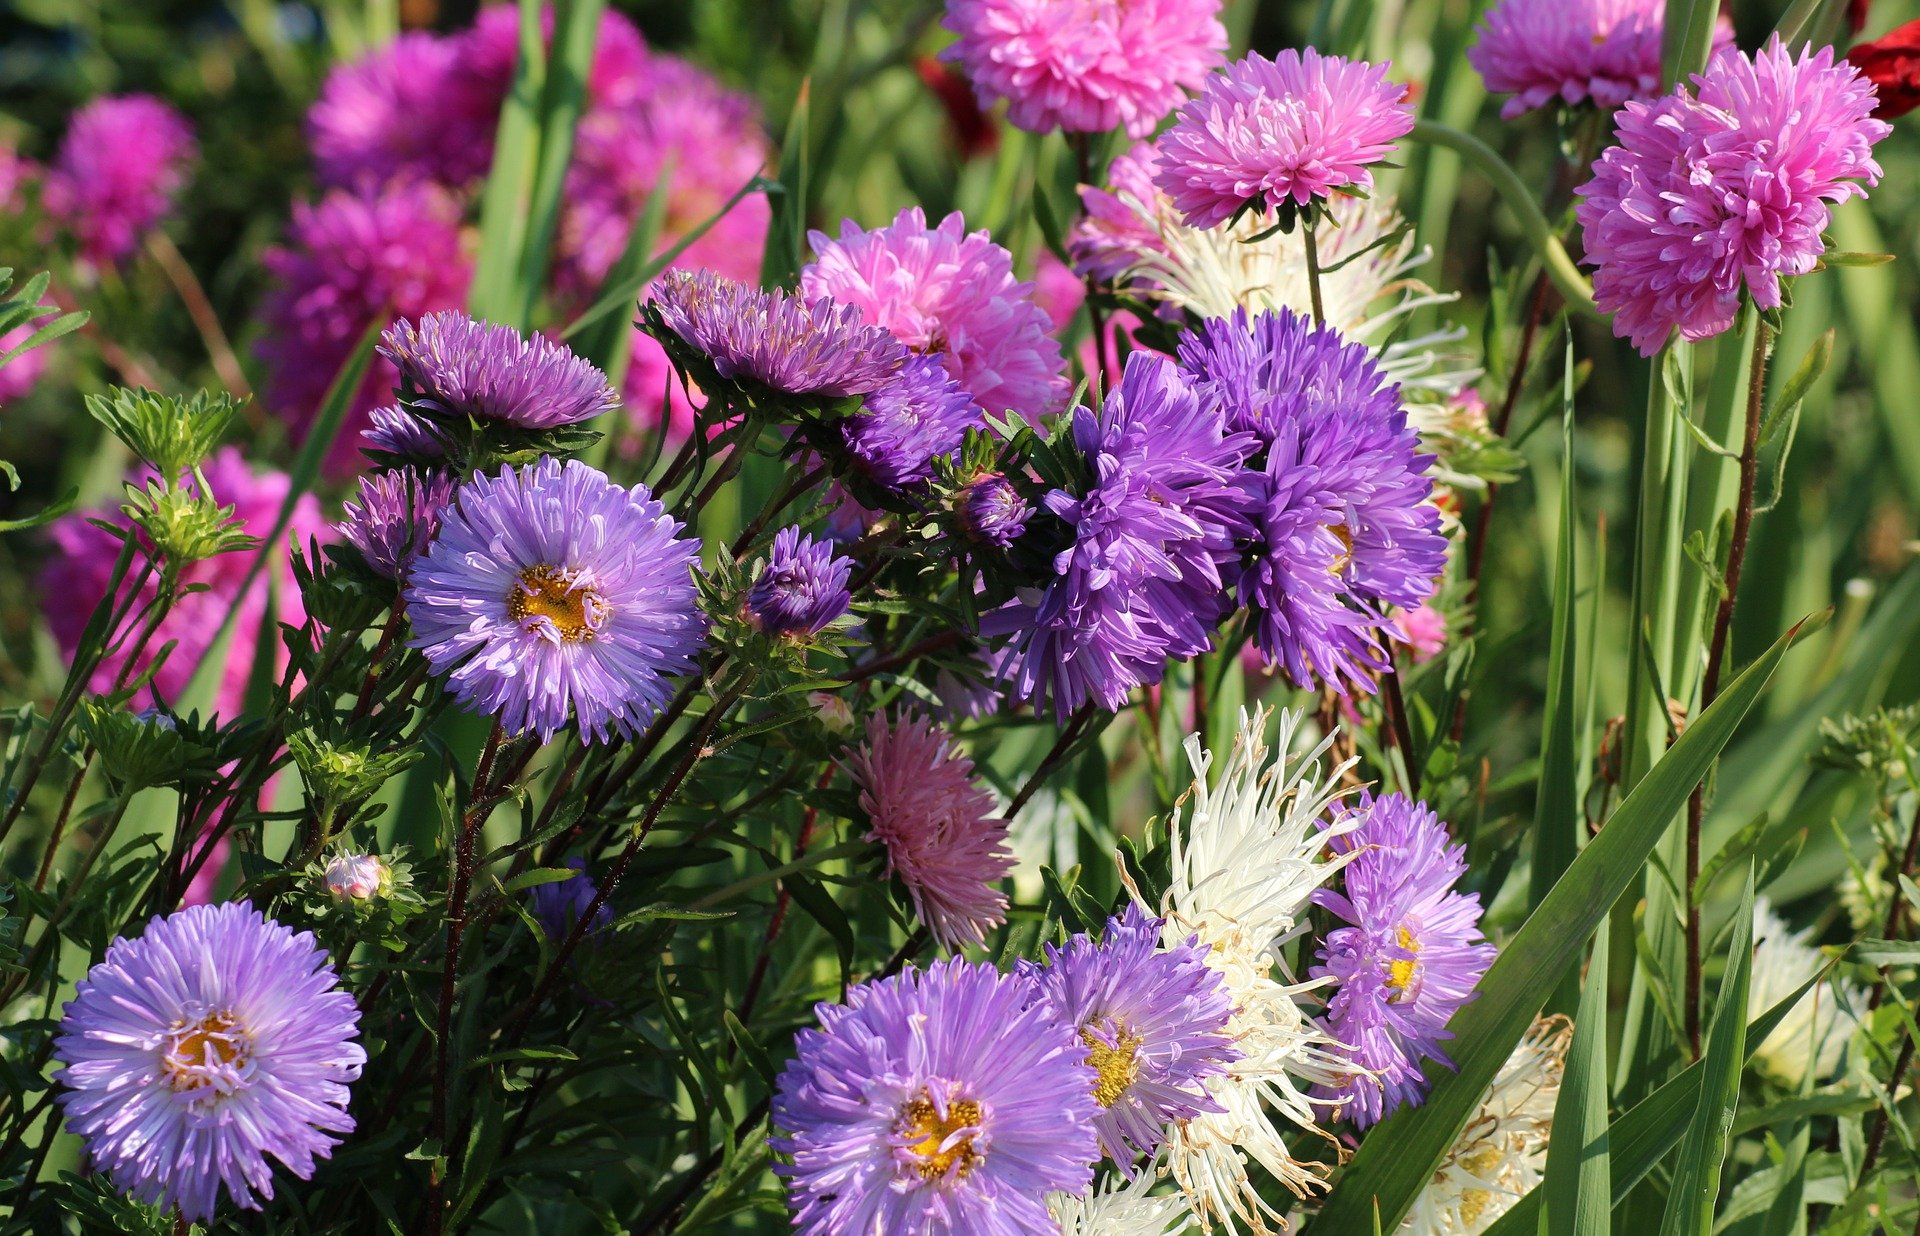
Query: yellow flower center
{"points": [[1117, 1063], [1344, 535], [1473, 1202], [547, 598], [195, 1049], [938, 1141], [1400, 971]]}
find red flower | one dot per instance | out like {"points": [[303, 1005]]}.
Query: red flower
{"points": [[1892, 64], [973, 132]]}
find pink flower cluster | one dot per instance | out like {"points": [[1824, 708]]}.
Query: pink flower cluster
{"points": [[122, 163], [1603, 52]]}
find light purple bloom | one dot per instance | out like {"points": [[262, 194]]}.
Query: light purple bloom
{"points": [[784, 342], [198, 1051], [1154, 1022], [397, 515], [992, 510], [936, 1101], [1289, 130], [121, 164], [801, 588], [1117, 227], [396, 431], [1724, 190], [551, 592], [918, 417], [1343, 530], [1410, 959], [461, 367]]}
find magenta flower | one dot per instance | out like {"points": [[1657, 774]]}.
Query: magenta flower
{"points": [[946, 291], [1725, 189], [1085, 68], [1542, 52], [939, 829], [1117, 227], [118, 170], [19, 375], [76, 574], [392, 113], [1289, 130]]}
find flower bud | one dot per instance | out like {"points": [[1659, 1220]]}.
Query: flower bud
{"points": [[357, 877], [834, 713]]}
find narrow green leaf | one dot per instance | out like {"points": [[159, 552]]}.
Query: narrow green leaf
{"points": [[563, 96], [1579, 1180], [1696, 1178], [1688, 39], [507, 199], [1556, 812], [47, 516], [1398, 1158], [781, 259]]}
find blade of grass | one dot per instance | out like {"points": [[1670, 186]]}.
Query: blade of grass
{"points": [[1556, 813], [563, 96], [1579, 1182], [507, 199]]}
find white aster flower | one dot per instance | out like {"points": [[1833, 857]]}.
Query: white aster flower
{"points": [[1122, 1208], [1816, 1030], [1246, 861], [1502, 1153]]}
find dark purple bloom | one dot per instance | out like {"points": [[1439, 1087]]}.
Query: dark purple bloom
{"points": [[1342, 528], [1410, 959], [558, 904], [795, 346], [802, 587], [396, 431], [493, 373], [1142, 580], [196, 1052], [918, 417], [992, 510], [935, 1101], [1154, 1022], [397, 515]]}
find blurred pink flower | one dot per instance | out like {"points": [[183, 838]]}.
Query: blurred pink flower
{"points": [[1423, 629], [1603, 52], [117, 171], [18, 376], [393, 113]]}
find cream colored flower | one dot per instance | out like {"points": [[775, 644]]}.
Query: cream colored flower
{"points": [[1122, 1208], [1817, 1029]]}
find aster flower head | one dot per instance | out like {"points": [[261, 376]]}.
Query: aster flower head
{"points": [[558, 905], [791, 344], [936, 1100], [1268, 134], [1342, 526], [201, 1049], [1719, 192], [121, 164], [992, 511], [1815, 1033], [396, 517], [460, 367], [551, 593], [1409, 958], [1085, 68], [1122, 1207], [938, 827], [948, 292], [1141, 581], [1545, 52], [801, 588], [920, 416], [1154, 1022], [397, 432], [393, 113]]}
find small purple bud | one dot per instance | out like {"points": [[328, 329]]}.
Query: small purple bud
{"points": [[991, 510]]}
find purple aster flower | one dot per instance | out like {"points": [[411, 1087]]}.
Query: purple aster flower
{"points": [[396, 431], [1154, 1023], [918, 417], [196, 1052], [1107, 241], [492, 373], [551, 592], [936, 1101], [1410, 959], [1085, 68], [121, 164], [396, 517], [947, 292], [1343, 530], [1725, 190], [353, 259], [1289, 130], [992, 510], [791, 344], [558, 904], [1141, 581], [802, 587], [393, 113]]}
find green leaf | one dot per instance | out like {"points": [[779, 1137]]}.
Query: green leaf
{"points": [[1579, 1180], [1556, 811], [1398, 1158], [506, 202], [576, 29], [47, 516], [1874, 952], [1688, 39]]}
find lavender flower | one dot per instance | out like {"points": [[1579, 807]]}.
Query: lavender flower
{"points": [[397, 515], [551, 592], [802, 587], [117, 172], [1154, 1023], [992, 510], [492, 373], [396, 431], [558, 904], [797, 347], [1410, 959], [935, 1101], [918, 417], [196, 1052]]}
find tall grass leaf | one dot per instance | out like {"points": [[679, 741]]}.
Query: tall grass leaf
{"points": [[1556, 813], [1696, 1177], [1579, 1179], [1687, 39], [508, 196], [563, 96], [1398, 1158], [781, 260]]}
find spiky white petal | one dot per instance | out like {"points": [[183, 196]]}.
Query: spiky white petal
{"points": [[1818, 1028], [1122, 1207]]}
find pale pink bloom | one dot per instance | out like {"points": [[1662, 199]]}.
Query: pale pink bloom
{"points": [[1424, 630]]}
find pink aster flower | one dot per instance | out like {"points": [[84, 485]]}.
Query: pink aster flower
{"points": [[393, 113], [1085, 67], [1724, 189], [1424, 630], [118, 169], [1292, 129], [947, 291], [352, 259], [16, 173], [19, 375], [1118, 224], [1603, 52], [938, 827], [76, 575]]}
